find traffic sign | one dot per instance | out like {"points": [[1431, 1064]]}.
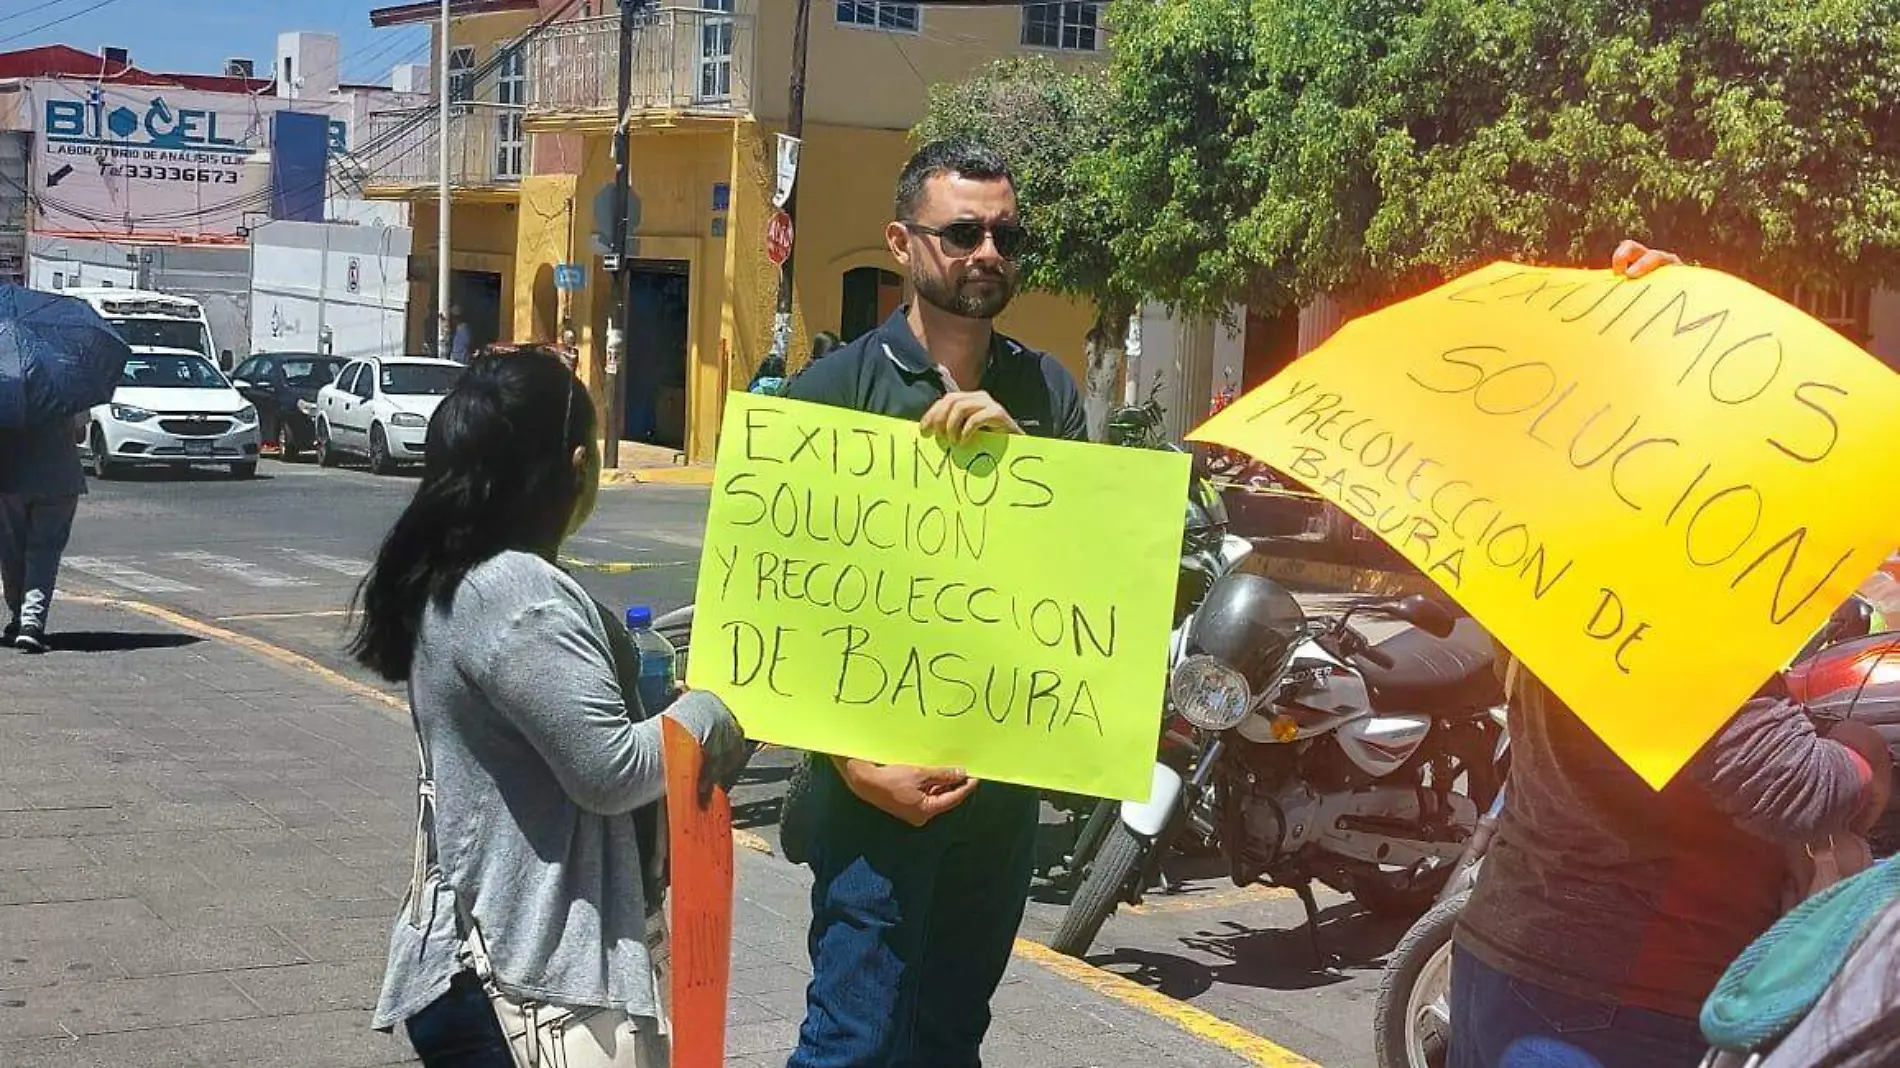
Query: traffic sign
{"points": [[778, 239], [570, 276]]}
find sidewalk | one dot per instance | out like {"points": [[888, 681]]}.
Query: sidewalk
{"points": [[201, 851]]}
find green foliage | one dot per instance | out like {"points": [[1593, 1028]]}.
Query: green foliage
{"points": [[1282, 148], [1054, 126]]}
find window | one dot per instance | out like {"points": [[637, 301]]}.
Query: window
{"points": [[715, 51], [1072, 26], [462, 73], [879, 15], [511, 91]]}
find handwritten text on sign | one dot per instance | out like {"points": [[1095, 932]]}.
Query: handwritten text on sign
{"points": [[1651, 491], [1003, 608]]}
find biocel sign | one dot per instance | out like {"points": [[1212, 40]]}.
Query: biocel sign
{"points": [[155, 161]]}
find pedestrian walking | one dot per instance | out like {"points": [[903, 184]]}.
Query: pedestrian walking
{"points": [[922, 873], [460, 340], [40, 486], [532, 931]]}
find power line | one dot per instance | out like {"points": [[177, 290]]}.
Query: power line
{"points": [[23, 34], [28, 11]]}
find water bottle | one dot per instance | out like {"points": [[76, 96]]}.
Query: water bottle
{"points": [[656, 661]]}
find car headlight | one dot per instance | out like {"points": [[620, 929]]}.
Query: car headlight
{"points": [[247, 414], [409, 419], [125, 413], [1209, 694]]}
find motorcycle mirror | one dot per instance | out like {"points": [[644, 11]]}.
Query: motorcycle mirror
{"points": [[1853, 619], [1425, 614]]}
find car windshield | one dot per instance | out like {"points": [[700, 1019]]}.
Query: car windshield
{"points": [[164, 334], [419, 379], [309, 372], [159, 371]]}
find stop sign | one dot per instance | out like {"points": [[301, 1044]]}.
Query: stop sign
{"points": [[778, 239]]}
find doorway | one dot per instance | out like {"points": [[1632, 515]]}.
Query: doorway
{"points": [[478, 294], [653, 382]]}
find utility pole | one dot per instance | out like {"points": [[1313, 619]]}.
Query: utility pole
{"points": [[622, 320], [442, 328], [795, 128]]}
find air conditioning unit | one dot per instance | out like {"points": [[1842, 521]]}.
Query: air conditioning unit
{"points": [[116, 56], [240, 68]]}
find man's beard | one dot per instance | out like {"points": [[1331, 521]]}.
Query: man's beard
{"points": [[965, 300]]}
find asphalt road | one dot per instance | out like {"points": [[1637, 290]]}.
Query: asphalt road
{"points": [[278, 558]]}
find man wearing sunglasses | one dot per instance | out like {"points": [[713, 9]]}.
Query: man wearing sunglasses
{"points": [[922, 873]]}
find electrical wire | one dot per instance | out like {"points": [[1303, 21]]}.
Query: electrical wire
{"points": [[23, 34], [24, 12], [260, 199]]}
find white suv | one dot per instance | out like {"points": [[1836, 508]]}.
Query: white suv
{"points": [[172, 408], [379, 409]]}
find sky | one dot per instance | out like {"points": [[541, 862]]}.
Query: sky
{"points": [[197, 36]]}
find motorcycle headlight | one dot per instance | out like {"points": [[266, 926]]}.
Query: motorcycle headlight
{"points": [[410, 419], [306, 407], [247, 414], [125, 413], [1209, 694]]}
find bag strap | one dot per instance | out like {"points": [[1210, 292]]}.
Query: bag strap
{"points": [[421, 868]]}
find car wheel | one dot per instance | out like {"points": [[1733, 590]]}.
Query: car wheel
{"points": [[102, 465], [379, 461], [244, 470], [326, 453]]}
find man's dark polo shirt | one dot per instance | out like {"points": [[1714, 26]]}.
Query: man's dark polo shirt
{"points": [[887, 372]]}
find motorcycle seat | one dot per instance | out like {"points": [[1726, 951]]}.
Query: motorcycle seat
{"points": [[1434, 674]]}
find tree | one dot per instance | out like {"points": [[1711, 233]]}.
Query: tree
{"points": [[1054, 126], [1295, 147]]}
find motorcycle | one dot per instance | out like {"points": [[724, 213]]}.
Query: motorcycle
{"points": [[1842, 673], [1323, 757]]}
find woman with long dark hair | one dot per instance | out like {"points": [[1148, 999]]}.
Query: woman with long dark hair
{"points": [[533, 910]]}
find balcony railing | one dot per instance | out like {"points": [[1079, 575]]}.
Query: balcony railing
{"points": [[487, 147], [684, 59]]}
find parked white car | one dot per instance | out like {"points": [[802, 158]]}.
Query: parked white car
{"points": [[172, 407], [379, 409]]}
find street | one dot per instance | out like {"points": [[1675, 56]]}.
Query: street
{"points": [[276, 560]]}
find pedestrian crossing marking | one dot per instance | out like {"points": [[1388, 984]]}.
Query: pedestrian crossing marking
{"points": [[244, 571], [342, 565], [125, 576]]}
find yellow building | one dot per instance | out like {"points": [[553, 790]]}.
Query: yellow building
{"points": [[710, 94]]}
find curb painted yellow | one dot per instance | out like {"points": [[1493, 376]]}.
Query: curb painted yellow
{"points": [[619, 567], [1202, 1025], [658, 476], [1170, 904], [388, 703]]}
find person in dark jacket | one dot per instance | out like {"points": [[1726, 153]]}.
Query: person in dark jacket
{"points": [[921, 874], [40, 486], [1607, 911]]}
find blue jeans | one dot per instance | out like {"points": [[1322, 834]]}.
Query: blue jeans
{"points": [[459, 1029], [911, 927], [1501, 1022]]}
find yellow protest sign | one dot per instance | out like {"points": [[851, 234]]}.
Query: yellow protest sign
{"points": [[1652, 491], [1003, 607]]}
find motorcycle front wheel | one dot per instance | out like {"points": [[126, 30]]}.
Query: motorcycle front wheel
{"points": [[1412, 1014], [1102, 890]]}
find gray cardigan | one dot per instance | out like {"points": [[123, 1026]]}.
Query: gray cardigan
{"points": [[537, 767]]}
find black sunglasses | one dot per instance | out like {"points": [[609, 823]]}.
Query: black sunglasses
{"points": [[966, 236]]}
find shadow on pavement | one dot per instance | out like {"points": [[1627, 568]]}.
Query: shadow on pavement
{"points": [[1262, 958], [99, 641]]}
